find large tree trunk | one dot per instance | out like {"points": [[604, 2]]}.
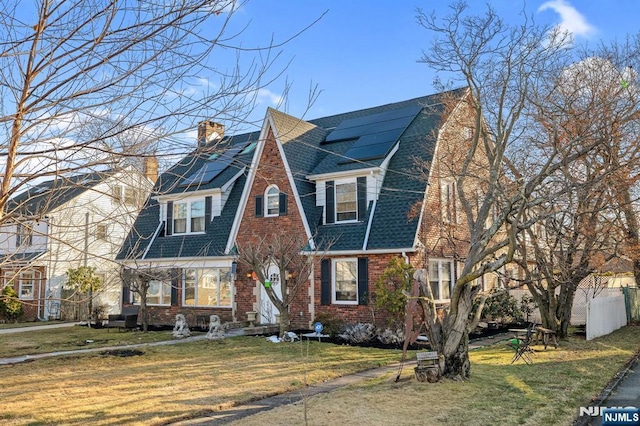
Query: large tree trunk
{"points": [[456, 364]]}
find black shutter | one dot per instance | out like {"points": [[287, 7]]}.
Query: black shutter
{"points": [[282, 204], [325, 282], [175, 282], [126, 298], [259, 206], [363, 281], [362, 197], [207, 213], [169, 226], [330, 203]]}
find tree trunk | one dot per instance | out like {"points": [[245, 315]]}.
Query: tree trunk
{"points": [[143, 311], [456, 364], [284, 321]]}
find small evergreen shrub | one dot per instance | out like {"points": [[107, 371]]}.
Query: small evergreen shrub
{"points": [[10, 305]]}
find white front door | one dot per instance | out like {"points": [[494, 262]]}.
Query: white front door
{"points": [[268, 311]]}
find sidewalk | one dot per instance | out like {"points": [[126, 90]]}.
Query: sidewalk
{"points": [[37, 327]]}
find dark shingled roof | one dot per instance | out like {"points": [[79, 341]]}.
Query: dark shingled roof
{"points": [[47, 196], [307, 155]]}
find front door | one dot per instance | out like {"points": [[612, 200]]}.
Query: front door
{"points": [[267, 309]]}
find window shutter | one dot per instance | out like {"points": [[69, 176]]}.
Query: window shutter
{"points": [[207, 213], [126, 297], [282, 204], [169, 226], [259, 206], [174, 290], [325, 282], [363, 281], [362, 197], [330, 207]]}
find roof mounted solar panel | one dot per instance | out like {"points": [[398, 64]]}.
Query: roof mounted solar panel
{"points": [[356, 127], [211, 169], [379, 138]]}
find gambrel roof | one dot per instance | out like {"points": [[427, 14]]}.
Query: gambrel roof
{"points": [[387, 139]]}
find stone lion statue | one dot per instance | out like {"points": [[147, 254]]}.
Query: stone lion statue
{"points": [[181, 329], [216, 329]]}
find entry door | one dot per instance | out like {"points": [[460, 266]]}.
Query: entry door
{"points": [[267, 309]]}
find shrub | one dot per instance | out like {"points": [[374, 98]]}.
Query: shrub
{"points": [[502, 307], [332, 324], [388, 289], [10, 305]]}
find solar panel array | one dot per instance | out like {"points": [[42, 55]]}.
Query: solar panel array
{"points": [[211, 169], [375, 134]]}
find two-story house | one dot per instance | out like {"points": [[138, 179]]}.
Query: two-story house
{"points": [[66, 223], [365, 180]]}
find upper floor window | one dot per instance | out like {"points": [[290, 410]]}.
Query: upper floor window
{"points": [[440, 274], [24, 235], [272, 201], [101, 231], [188, 216], [124, 194], [346, 200]]}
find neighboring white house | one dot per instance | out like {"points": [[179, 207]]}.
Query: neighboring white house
{"points": [[67, 223]]}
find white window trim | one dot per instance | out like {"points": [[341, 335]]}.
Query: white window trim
{"points": [[33, 285], [163, 302], [333, 282], [452, 278], [195, 292], [353, 181], [188, 218], [266, 201]]}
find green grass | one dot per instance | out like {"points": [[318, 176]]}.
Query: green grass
{"points": [[169, 383], [70, 338], [546, 393]]}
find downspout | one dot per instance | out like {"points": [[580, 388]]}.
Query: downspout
{"points": [[405, 257]]}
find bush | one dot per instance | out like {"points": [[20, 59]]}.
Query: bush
{"points": [[10, 305], [332, 325], [388, 289], [502, 307], [391, 337]]}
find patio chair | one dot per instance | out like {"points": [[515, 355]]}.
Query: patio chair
{"points": [[521, 346]]}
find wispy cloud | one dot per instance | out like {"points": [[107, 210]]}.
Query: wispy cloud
{"points": [[572, 21], [266, 95]]}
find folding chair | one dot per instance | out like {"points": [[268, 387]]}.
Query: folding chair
{"points": [[521, 347]]}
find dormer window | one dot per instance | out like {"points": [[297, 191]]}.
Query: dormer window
{"points": [[187, 216], [346, 200]]}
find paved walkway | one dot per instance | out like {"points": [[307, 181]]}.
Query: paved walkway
{"points": [[37, 327]]}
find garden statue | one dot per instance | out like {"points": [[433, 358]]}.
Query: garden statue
{"points": [[216, 329], [181, 329]]}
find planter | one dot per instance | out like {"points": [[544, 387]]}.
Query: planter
{"points": [[251, 317]]}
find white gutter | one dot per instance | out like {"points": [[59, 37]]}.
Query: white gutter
{"points": [[155, 234]]}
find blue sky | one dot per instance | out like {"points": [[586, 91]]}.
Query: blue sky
{"points": [[365, 53]]}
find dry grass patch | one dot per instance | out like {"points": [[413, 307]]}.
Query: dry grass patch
{"points": [[168, 383], [70, 338], [546, 393]]}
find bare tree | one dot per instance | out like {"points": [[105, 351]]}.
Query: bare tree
{"points": [[510, 70], [139, 281], [87, 85], [294, 260]]}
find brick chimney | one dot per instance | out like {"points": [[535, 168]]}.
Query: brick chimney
{"points": [[209, 131], [150, 168]]}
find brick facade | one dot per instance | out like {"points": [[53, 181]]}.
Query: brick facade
{"points": [[32, 308]]}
